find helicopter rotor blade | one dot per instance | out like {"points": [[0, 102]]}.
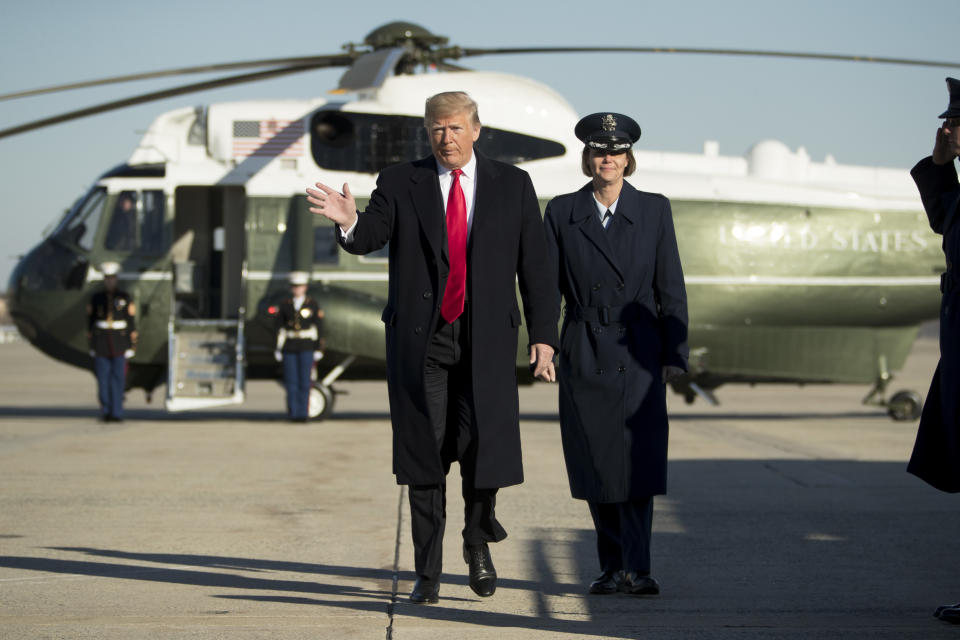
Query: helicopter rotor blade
{"points": [[370, 70], [159, 95], [329, 60], [463, 51], [447, 66]]}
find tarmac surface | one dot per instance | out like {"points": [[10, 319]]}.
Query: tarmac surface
{"points": [[790, 515]]}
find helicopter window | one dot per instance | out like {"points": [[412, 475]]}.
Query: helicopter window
{"points": [[122, 233], [55, 267], [367, 143], [325, 247], [152, 240], [80, 225], [137, 223]]}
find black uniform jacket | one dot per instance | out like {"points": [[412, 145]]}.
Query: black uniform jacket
{"points": [[110, 324], [301, 330], [625, 317], [936, 452], [506, 246]]}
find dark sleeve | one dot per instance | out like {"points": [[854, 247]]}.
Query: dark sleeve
{"points": [[131, 317], [671, 293], [318, 322], [375, 224], [537, 289], [553, 255], [278, 320], [91, 313], [939, 190]]}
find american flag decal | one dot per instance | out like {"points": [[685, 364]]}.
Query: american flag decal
{"points": [[271, 138]]}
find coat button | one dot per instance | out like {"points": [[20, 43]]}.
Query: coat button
{"points": [[427, 294], [622, 330], [596, 286], [600, 372], [619, 286], [597, 330], [418, 330], [621, 369]]}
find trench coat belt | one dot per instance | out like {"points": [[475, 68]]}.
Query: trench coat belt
{"points": [[946, 282], [108, 324], [602, 315], [303, 333]]}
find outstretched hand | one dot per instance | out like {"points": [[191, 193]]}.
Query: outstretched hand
{"points": [[330, 203]]}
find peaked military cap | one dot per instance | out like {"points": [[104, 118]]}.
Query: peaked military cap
{"points": [[299, 277], [953, 109], [608, 131], [110, 268]]}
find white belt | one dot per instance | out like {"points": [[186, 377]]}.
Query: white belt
{"points": [[108, 324], [303, 333]]}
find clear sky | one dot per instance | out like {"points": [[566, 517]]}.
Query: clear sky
{"points": [[860, 113]]}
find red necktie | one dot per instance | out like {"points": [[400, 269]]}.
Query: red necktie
{"points": [[452, 305]]}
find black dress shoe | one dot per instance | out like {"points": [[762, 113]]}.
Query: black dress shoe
{"points": [[943, 607], [425, 592], [949, 614], [607, 583], [483, 577], [639, 585]]}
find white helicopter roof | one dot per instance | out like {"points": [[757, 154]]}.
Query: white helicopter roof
{"points": [[769, 172]]}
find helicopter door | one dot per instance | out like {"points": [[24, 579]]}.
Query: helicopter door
{"points": [[205, 332]]}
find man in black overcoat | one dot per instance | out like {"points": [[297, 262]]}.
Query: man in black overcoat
{"points": [[936, 453], [463, 231]]}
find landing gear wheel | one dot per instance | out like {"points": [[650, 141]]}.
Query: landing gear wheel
{"points": [[320, 405], [905, 405]]}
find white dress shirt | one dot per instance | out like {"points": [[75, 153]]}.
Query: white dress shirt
{"points": [[602, 210], [468, 183]]}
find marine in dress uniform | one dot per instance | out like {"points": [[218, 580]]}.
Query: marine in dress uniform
{"points": [[616, 267], [464, 230], [299, 325], [112, 334], [936, 452]]}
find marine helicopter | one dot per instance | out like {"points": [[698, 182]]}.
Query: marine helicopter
{"points": [[796, 271]]}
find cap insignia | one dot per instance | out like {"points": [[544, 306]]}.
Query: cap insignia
{"points": [[608, 122]]}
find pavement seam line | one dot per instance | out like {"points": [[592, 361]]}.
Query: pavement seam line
{"points": [[396, 566]]}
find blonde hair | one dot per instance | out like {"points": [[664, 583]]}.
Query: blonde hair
{"points": [[447, 104], [585, 162]]}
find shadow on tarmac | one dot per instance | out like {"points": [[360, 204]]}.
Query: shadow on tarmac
{"points": [[160, 415], [785, 543]]}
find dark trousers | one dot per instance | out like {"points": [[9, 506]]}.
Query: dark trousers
{"points": [[448, 383], [623, 534], [296, 380], [111, 376]]}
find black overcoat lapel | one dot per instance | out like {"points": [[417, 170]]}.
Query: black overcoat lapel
{"points": [[585, 216], [484, 203], [625, 227], [427, 202]]}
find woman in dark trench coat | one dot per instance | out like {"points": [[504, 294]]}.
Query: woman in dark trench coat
{"points": [[624, 335], [936, 452]]}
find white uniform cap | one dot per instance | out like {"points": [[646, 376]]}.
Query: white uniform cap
{"points": [[110, 268], [299, 277]]}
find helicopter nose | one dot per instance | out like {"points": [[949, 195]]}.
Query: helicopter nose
{"points": [[14, 295]]}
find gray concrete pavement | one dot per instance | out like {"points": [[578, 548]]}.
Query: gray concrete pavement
{"points": [[789, 516]]}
